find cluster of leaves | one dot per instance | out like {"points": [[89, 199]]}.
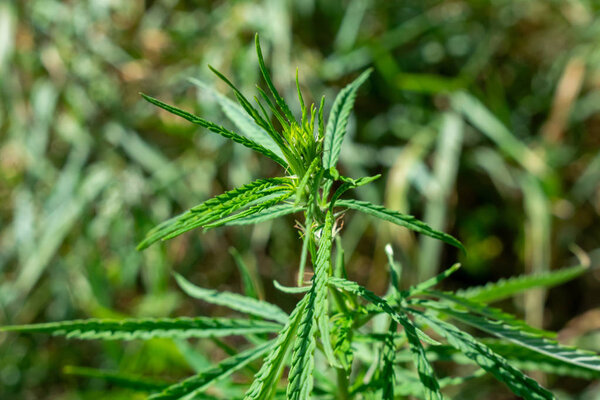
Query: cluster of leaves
{"points": [[334, 312]]}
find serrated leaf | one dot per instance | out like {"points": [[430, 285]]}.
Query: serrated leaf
{"points": [[351, 185], [242, 120], [301, 187], [519, 383], [265, 73], [338, 121], [265, 381], [342, 339], [217, 208], [196, 384], [266, 215], [407, 221], [237, 302], [130, 329], [517, 333], [527, 359], [505, 288], [217, 129], [388, 373], [258, 206], [265, 122], [518, 356], [426, 373], [493, 313], [409, 385], [300, 377]]}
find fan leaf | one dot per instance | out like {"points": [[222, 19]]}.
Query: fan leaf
{"points": [[300, 379], [505, 288], [130, 329], [265, 381], [338, 121], [517, 333], [266, 215], [426, 373], [211, 126], [495, 364], [217, 208], [196, 384], [407, 221], [237, 302]]}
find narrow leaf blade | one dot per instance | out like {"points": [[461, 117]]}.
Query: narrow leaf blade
{"points": [[265, 381], [338, 120], [426, 373], [198, 383], [505, 288], [131, 329], [216, 208], [217, 129], [495, 364], [518, 334], [407, 221], [237, 302]]}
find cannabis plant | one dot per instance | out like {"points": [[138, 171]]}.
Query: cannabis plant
{"points": [[373, 346]]}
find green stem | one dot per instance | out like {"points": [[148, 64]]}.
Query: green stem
{"points": [[342, 384]]}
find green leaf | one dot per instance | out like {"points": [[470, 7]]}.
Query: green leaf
{"points": [[217, 208], [300, 377], [423, 286], [217, 129], [338, 121], [265, 381], [237, 302], [266, 215], [291, 289], [388, 375], [196, 384], [263, 69], [407, 221], [242, 120], [250, 280], [517, 333], [130, 329], [505, 288], [493, 313], [530, 360], [426, 373], [519, 383], [351, 184], [260, 206], [409, 385], [265, 122], [300, 189], [117, 378], [342, 339], [518, 356]]}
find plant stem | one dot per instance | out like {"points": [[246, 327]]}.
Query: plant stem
{"points": [[342, 384]]}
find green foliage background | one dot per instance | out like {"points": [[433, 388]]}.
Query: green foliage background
{"points": [[87, 167]]}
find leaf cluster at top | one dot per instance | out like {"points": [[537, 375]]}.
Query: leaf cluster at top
{"points": [[307, 150]]}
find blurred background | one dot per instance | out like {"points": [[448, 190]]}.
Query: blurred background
{"points": [[482, 116]]}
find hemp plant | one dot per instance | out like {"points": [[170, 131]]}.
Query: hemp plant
{"points": [[332, 325]]}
